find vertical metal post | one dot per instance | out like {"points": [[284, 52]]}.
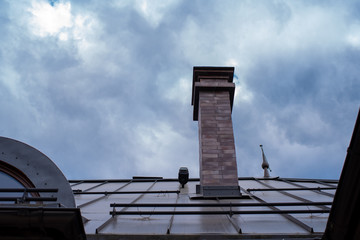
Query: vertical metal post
{"points": [[233, 223]]}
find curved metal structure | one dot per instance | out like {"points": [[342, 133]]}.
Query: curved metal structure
{"points": [[33, 169]]}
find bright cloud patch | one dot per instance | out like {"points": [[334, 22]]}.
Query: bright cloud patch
{"points": [[162, 150], [353, 38], [181, 91], [51, 20]]}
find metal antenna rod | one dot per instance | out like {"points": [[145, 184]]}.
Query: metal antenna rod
{"points": [[265, 164]]}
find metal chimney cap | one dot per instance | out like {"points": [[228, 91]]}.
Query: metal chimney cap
{"points": [[211, 72]]}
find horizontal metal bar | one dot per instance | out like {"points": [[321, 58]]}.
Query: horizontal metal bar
{"points": [[16, 208], [102, 197], [76, 183], [317, 191], [196, 180], [28, 199], [256, 204], [290, 189], [133, 180], [146, 178], [287, 216], [310, 180], [93, 187], [102, 226], [217, 212], [289, 194], [125, 192], [7, 190], [326, 184]]}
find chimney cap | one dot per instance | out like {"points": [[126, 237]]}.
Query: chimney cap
{"points": [[211, 72]]}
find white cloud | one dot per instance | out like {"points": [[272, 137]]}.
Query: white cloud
{"points": [[87, 36], [162, 150], [50, 20], [242, 94], [155, 10], [180, 91], [11, 79], [353, 37], [59, 21]]}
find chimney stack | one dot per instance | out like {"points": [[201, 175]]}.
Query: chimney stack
{"points": [[212, 98]]}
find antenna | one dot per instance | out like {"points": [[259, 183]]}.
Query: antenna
{"points": [[265, 164]]}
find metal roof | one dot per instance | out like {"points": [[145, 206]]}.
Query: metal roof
{"points": [[269, 207]]}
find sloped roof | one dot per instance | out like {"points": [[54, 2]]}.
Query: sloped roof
{"points": [[159, 207]]}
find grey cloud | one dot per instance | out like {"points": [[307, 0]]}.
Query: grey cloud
{"points": [[113, 102]]}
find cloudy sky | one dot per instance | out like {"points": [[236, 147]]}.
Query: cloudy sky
{"points": [[103, 88]]}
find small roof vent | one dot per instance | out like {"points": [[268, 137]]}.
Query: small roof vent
{"points": [[183, 176]]}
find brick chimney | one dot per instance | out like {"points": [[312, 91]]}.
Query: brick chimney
{"points": [[212, 98]]}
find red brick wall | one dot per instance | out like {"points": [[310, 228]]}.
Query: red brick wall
{"points": [[217, 149]]}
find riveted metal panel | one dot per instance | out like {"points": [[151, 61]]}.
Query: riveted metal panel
{"points": [[42, 172]]}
